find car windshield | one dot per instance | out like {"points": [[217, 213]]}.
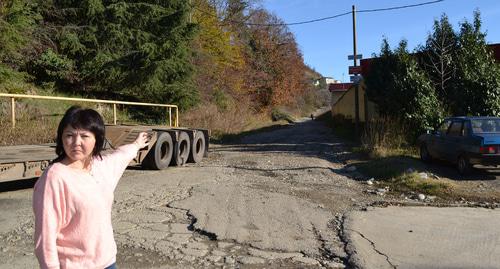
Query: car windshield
{"points": [[485, 126]]}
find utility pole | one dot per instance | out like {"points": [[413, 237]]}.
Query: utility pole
{"points": [[356, 88]]}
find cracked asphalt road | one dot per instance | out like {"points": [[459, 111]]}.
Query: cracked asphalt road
{"points": [[423, 237], [274, 199]]}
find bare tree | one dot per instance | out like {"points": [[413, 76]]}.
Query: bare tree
{"points": [[439, 54]]}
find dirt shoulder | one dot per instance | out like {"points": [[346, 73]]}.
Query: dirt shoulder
{"points": [[408, 177]]}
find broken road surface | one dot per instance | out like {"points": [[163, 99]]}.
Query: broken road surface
{"points": [[423, 237], [274, 199]]}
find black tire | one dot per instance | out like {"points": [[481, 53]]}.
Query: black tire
{"points": [[182, 148], [425, 156], [160, 156], [197, 148], [463, 165]]}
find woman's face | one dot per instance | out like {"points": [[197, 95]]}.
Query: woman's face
{"points": [[78, 144]]}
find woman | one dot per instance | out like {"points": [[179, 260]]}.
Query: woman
{"points": [[72, 199]]}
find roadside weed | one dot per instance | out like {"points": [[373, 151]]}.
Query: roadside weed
{"points": [[394, 172], [414, 182]]}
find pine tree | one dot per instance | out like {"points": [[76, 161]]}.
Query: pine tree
{"points": [[126, 49], [18, 21]]}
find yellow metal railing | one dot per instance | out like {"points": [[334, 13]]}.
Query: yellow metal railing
{"points": [[114, 103]]}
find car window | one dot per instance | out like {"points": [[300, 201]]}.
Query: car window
{"points": [[466, 128], [455, 129], [443, 128], [486, 125]]}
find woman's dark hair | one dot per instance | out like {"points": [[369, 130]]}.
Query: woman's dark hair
{"points": [[84, 119]]}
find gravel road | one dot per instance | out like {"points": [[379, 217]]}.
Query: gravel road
{"points": [[274, 199]]}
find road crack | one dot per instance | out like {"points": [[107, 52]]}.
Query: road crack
{"points": [[323, 249], [193, 220], [211, 236], [375, 248]]}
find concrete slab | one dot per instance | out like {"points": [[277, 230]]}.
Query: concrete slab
{"points": [[423, 237]]}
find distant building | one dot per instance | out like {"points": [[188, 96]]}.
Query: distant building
{"points": [[329, 80], [496, 51], [325, 81], [343, 103], [337, 90]]}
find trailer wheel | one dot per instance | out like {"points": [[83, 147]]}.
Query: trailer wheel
{"points": [[197, 148], [182, 149], [160, 156]]}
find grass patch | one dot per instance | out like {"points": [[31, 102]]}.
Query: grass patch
{"points": [[412, 182], [382, 135], [237, 120], [27, 131], [279, 115], [394, 172], [388, 167], [387, 157], [231, 121]]}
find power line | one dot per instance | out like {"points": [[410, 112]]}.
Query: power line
{"points": [[400, 7], [326, 18], [276, 24], [301, 22]]}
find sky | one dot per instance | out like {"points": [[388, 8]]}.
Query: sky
{"points": [[325, 45]]}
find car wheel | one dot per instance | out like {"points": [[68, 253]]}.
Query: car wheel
{"points": [[463, 165], [424, 154]]}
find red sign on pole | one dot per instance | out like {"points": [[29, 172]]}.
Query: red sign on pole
{"points": [[354, 69], [340, 86]]}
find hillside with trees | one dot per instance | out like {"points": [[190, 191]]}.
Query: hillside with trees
{"points": [[213, 58]]}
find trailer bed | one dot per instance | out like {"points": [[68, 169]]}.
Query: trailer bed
{"points": [[23, 153], [25, 161], [175, 146]]}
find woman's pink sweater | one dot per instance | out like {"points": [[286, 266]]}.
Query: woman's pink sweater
{"points": [[73, 212]]}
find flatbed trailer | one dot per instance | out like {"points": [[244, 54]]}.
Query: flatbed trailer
{"points": [[24, 161], [168, 146]]}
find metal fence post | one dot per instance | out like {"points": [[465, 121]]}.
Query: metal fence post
{"points": [[13, 111], [176, 116], [114, 114], [170, 116]]}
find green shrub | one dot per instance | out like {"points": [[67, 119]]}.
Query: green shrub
{"points": [[12, 81], [221, 99], [277, 115], [403, 91], [51, 66]]}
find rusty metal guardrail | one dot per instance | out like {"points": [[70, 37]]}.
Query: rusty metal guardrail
{"points": [[114, 103]]}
